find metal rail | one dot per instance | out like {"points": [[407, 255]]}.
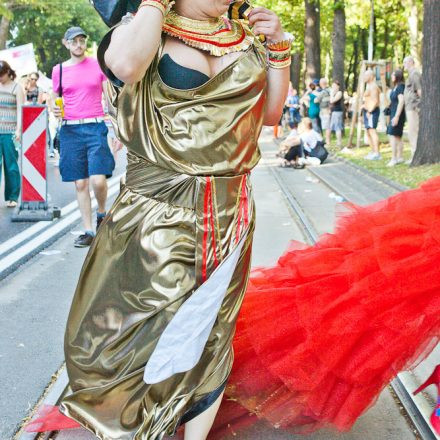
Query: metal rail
{"points": [[417, 415]]}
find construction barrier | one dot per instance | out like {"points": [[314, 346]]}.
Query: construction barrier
{"points": [[33, 204]]}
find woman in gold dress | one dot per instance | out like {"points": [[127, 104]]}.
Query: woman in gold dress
{"points": [[148, 340]]}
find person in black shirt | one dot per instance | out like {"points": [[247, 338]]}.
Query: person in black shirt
{"points": [[33, 92], [337, 111], [397, 118]]}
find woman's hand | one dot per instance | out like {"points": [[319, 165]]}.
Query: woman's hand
{"points": [[394, 121], [17, 135], [266, 22]]}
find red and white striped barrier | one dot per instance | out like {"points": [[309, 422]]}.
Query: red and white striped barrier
{"points": [[33, 165], [33, 201]]}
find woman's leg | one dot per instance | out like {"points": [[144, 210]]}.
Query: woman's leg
{"points": [[399, 148], [12, 172], [393, 147], [339, 138], [199, 427]]}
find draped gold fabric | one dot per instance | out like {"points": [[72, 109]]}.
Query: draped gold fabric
{"points": [[147, 257]]}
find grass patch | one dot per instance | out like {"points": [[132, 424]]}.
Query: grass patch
{"points": [[403, 174]]}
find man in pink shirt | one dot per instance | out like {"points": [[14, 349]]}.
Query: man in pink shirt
{"points": [[85, 157]]}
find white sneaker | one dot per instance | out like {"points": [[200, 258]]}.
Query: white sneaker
{"points": [[392, 163], [400, 161], [347, 150], [373, 156]]}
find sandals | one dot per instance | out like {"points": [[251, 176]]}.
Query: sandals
{"points": [[11, 204], [298, 166]]}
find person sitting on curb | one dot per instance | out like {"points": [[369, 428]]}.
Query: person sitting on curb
{"points": [[291, 150]]}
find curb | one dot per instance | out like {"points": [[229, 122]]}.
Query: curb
{"points": [[371, 174]]}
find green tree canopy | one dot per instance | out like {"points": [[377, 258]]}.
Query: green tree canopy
{"points": [[44, 22]]}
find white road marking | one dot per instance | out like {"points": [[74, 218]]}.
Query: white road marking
{"points": [[29, 247], [39, 226]]}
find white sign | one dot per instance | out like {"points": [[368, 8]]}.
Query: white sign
{"points": [[21, 59]]}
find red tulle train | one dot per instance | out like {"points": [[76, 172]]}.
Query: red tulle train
{"points": [[325, 330]]}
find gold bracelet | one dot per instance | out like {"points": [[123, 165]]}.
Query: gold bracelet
{"points": [[163, 5], [278, 54]]}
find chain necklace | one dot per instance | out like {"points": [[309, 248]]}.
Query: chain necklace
{"points": [[218, 36]]}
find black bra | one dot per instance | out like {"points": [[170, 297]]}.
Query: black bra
{"points": [[179, 77]]}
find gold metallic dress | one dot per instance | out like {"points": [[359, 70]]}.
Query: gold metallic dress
{"points": [[150, 289]]}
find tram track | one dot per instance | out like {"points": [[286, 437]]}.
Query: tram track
{"points": [[417, 408]]}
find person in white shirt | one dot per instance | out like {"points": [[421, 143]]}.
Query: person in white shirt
{"points": [[309, 137]]}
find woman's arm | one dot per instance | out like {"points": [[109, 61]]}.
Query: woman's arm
{"points": [[277, 87], [267, 23], [21, 98], [399, 110], [336, 97], [134, 45]]}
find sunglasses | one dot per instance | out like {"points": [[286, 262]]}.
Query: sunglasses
{"points": [[78, 42]]}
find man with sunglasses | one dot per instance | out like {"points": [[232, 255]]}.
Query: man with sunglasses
{"points": [[85, 157]]}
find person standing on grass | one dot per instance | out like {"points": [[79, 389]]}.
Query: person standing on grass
{"points": [[313, 107], [337, 112], [85, 157], [397, 118], [371, 114], [323, 99], [11, 99], [413, 93]]}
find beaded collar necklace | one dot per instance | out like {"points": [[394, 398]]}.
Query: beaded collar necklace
{"points": [[218, 36]]}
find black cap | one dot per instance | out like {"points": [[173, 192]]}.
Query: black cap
{"points": [[73, 32]]}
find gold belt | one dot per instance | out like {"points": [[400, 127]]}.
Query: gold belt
{"points": [[223, 205]]}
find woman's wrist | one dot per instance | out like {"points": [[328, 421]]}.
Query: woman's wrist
{"points": [[278, 51], [162, 5]]}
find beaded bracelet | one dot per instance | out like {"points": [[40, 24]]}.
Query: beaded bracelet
{"points": [[162, 5], [279, 54]]}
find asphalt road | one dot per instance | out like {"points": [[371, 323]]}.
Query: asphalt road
{"points": [[59, 194]]}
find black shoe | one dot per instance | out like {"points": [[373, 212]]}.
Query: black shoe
{"points": [[99, 220], [84, 240]]}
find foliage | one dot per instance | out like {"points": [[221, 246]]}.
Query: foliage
{"points": [[391, 26], [44, 22], [51, 17]]}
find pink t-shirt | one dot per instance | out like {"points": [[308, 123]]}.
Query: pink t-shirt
{"points": [[82, 89]]}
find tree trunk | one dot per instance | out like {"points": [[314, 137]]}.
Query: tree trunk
{"points": [[428, 145], [312, 41], [386, 40], [413, 25], [356, 53], [295, 69], [364, 43], [4, 31], [339, 39]]}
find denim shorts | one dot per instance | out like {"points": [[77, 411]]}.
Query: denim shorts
{"points": [[371, 120], [84, 152]]}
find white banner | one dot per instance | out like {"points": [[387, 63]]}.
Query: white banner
{"points": [[21, 59]]}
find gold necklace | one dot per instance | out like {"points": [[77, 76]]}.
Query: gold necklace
{"points": [[218, 36]]}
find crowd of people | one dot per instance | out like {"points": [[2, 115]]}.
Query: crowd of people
{"points": [[327, 108]]}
